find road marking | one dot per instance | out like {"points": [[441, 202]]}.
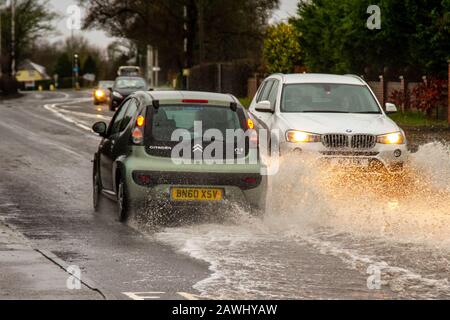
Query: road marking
{"points": [[189, 296], [79, 124], [85, 114], [141, 296]]}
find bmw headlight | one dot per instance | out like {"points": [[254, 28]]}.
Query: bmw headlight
{"points": [[296, 136], [391, 138], [117, 95]]}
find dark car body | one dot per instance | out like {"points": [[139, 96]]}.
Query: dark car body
{"points": [[123, 87]]}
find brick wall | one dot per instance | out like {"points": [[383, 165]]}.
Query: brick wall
{"points": [[377, 87]]}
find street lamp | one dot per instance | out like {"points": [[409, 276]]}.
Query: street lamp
{"points": [[75, 70]]}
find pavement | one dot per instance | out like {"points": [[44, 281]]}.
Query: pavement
{"points": [[27, 274]]}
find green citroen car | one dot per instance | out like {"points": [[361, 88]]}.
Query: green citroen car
{"points": [[176, 149]]}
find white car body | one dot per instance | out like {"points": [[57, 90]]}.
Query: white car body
{"points": [[341, 137]]}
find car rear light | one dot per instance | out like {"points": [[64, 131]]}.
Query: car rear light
{"points": [[142, 179], [140, 121], [250, 124], [194, 101], [250, 180], [137, 134], [254, 139]]}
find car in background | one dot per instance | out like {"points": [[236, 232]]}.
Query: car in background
{"points": [[101, 92], [123, 87], [129, 71], [135, 166], [337, 118]]}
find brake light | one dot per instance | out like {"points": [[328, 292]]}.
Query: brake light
{"points": [[250, 180], [137, 135], [144, 179], [193, 101], [140, 121]]}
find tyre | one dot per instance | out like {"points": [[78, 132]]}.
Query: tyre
{"points": [[123, 204], [96, 190]]}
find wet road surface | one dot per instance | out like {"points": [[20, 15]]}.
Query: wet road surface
{"points": [[327, 235]]}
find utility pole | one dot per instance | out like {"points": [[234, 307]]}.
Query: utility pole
{"points": [[13, 38], [185, 47], [1, 56], [150, 66], [156, 68]]}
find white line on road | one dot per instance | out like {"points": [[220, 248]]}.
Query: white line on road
{"points": [[52, 108]]}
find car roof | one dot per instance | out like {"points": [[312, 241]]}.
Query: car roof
{"points": [[128, 78], [321, 78], [175, 95]]}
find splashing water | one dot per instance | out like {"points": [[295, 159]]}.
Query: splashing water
{"points": [[398, 223]]}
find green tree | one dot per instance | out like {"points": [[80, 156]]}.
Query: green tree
{"points": [[282, 51], [414, 36], [33, 19], [217, 30], [90, 66], [63, 67]]}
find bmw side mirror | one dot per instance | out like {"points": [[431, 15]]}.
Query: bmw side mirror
{"points": [[264, 106], [100, 128], [391, 108]]}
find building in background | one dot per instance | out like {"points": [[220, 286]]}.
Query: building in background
{"points": [[29, 73]]}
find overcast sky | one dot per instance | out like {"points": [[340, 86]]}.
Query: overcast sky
{"points": [[287, 9]]}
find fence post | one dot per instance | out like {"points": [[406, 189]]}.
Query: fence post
{"points": [[219, 77], [403, 89]]}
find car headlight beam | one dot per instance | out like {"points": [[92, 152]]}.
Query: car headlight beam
{"points": [[391, 138], [296, 136], [99, 93]]}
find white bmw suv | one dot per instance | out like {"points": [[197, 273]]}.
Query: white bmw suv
{"points": [[335, 117]]}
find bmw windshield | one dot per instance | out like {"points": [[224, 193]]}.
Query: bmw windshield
{"points": [[328, 98]]}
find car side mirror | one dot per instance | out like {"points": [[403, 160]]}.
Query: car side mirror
{"points": [[264, 106], [100, 128], [391, 108]]}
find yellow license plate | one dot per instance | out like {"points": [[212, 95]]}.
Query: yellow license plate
{"points": [[196, 194]]}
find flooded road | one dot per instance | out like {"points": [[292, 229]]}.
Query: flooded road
{"points": [[328, 233]]}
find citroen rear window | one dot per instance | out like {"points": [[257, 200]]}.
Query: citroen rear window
{"points": [[167, 119]]}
